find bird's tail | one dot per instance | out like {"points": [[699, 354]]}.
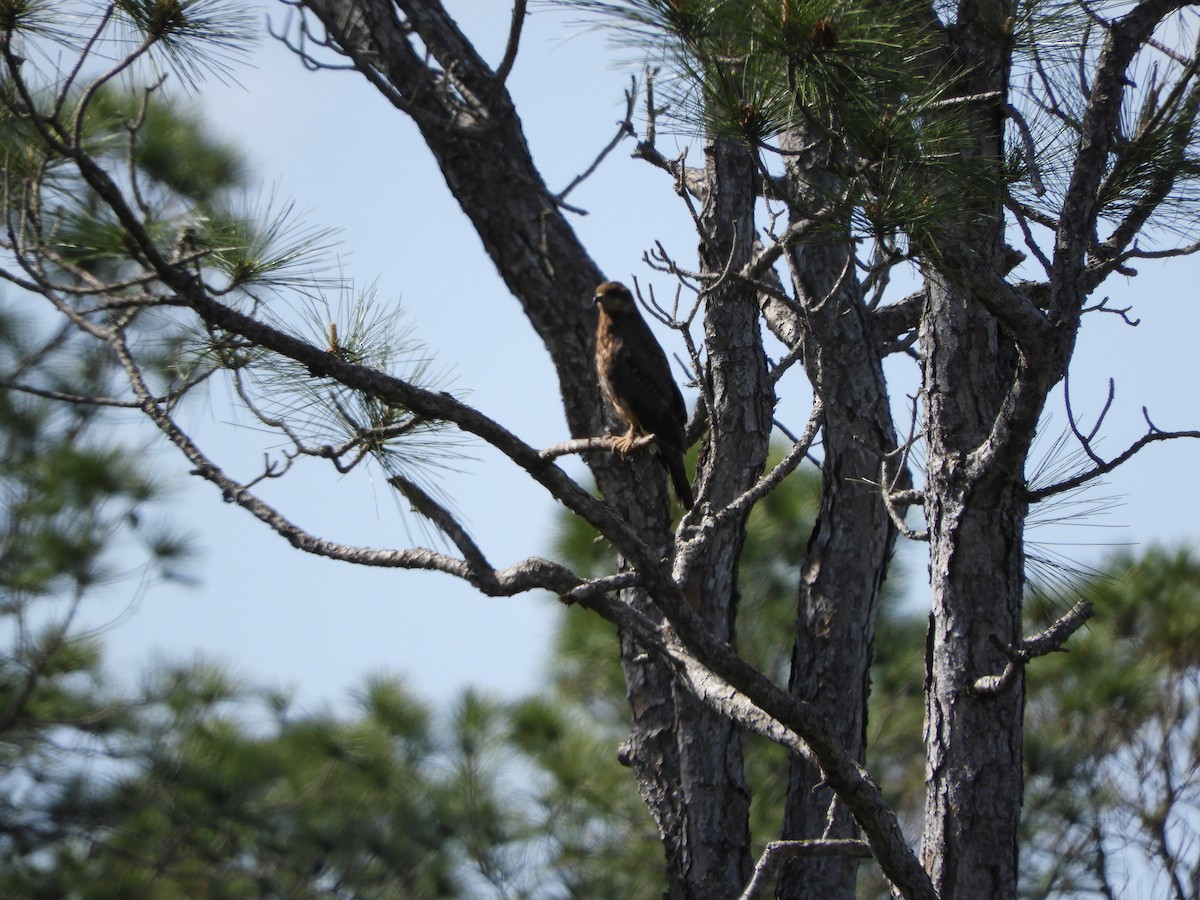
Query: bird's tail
{"points": [[679, 479]]}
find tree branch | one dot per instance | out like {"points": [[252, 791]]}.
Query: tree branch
{"points": [[1125, 37], [770, 480], [1153, 435], [624, 129], [1040, 644], [514, 40], [777, 853], [585, 445]]}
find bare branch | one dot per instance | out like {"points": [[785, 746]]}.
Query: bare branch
{"points": [[777, 853], [1085, 441], [1136, 252], [514, 40], [1023, 215], [1123, 311], [894, 320], [68, 398], [585, 445], [687, 180], [1027, 142], [770, 480], [770, 254], [1152, 436], [891, 499], [624, 129], [445, 520], [1040, 644]]}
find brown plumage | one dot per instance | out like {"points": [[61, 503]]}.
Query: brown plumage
{"points": [[635, 379]]}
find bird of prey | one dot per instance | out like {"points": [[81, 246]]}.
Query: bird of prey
{"points": [[635, 379]]}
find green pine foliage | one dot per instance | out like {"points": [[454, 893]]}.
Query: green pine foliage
{"points": [[866, 81], [1112, 759], [188, 204], [215, 796]]}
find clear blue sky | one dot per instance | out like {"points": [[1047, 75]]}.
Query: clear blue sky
{"points": [[329, 141]]}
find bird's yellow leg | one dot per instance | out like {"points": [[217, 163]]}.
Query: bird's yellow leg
{"points": [[624, 444]]}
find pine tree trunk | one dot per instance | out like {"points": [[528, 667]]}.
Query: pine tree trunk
{"points": [[687, 758], [973, 743], [846, 562], [853, 538], [974, 510], [712, 777]]}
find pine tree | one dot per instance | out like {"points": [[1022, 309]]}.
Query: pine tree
{"points": [[833, 143]]}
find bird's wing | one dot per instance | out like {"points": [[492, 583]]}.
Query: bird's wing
{"points": [[641, 376]]}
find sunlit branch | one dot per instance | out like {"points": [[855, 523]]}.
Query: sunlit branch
{"points": [[1040, 644], [586, 445]]}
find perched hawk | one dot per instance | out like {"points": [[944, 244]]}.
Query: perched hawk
{"points": [[636, 381]]}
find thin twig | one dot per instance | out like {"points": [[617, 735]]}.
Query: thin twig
{"points": [[1152, 436], [514, 39], [624, 130]]}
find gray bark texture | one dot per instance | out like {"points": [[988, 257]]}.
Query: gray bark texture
{"points": [[975, 519], [853, 538], [742, 405]]}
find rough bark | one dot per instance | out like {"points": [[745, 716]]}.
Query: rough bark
{"points": [[975, 518], [853, 537], [733, 458], [846, 563], [973, 743]]}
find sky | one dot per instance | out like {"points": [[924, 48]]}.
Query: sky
{"points": [[350, 161]]}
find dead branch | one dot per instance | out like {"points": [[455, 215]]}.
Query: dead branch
{"points": [[770, 480], [1040, 644], [777, 853], [624, 130], [1102, 466], [1122, 312], [588, 444], [514, 40]]}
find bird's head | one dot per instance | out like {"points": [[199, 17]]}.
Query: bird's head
{"points": [[614, 298]]}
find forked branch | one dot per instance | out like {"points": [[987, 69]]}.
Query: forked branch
{"points": [[1153, 435], [1040, 644]]}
